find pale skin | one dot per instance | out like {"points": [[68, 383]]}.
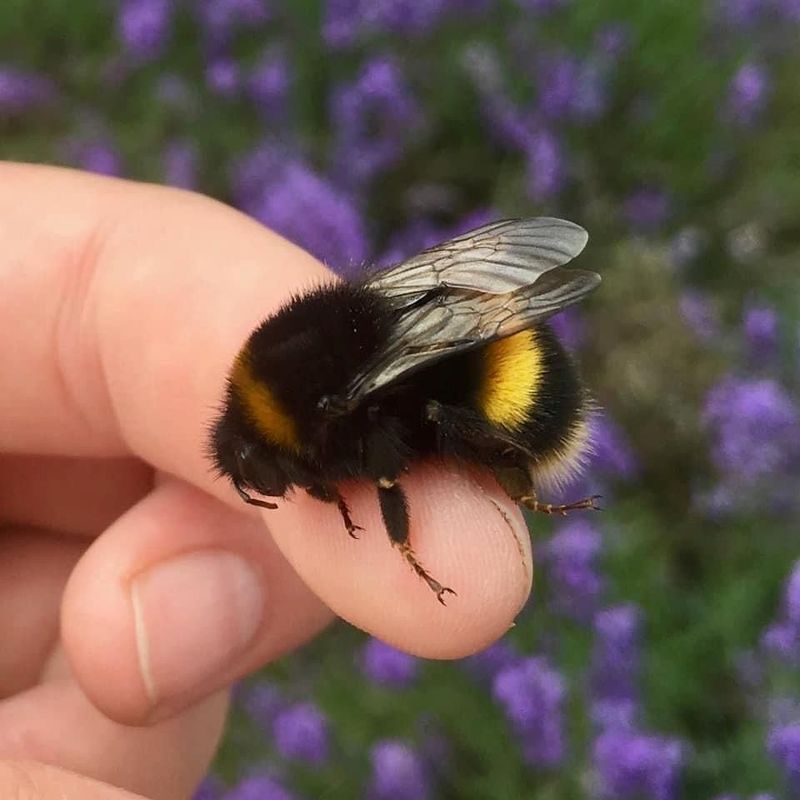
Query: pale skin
{"points": [[123, 306]]}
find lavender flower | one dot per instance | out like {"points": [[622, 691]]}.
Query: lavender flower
{"points": [[220, 19], [568, 326], [761, 333], [404, 17], [615, 666], [260, 787], [223, 77], [782, 638], [398, 773], [557, 75], [22, 91], [754, 425], [637, 766], [531, 694], [647, 209], [387, 666], [741, 13], [301, 733], [612, 454], [545, 166], [571, 556], [374, 118], [145, 27], [293, 200], [270, 83], [747, 94], [783, 744], [180, 165], [100, 157], [341, 22], [210, 788], [262, 703]]}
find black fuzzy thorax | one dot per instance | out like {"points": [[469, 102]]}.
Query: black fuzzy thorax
{"points": [[316, 345]]}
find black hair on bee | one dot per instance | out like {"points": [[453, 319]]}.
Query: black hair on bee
{"points": [[445, 354]]}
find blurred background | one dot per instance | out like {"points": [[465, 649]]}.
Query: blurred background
{"points": [[658, 656]]}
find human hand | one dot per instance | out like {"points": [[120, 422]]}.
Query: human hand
{"points": [[123, 305]]}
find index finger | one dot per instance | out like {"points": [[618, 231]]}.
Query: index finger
{"points": [[130, 302]]}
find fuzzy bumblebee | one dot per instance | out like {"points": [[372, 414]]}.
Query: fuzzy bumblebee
{"points": [[444, 354]]}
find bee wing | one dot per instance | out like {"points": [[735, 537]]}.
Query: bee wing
{"points": [[498, 258], [457, 321]]}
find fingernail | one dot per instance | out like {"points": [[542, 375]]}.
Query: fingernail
{"points": [[193, 615]]}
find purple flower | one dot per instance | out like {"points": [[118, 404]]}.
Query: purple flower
{"points": [[754, 426], [531, 694], [301, 205], [210, 788], [374, 119], [611, 451], [223, 77], [571, 555], [99, 157], [637, 766], [741, 13], [615, 666], [398, 773], [145, 26], [647, 209], [569, 328], [747, 94], [301, 733], [180, 165], [387, 666], [545, 166], [783, 744], [700, 315], [782, 641], [22, 91], [557, 75], [270, 83], [487, 663], [761, 333], [260, 787], [220, 19], [341, 22], [262, 703], [408, 17]]}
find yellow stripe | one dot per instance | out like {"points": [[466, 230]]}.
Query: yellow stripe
{"points": [[512, 369], [262, 407]]}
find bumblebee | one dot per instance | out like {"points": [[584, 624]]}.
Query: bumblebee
{"points": [[445, 354]]}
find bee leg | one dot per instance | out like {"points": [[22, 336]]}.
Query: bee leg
{"points": [[394, 510], [517, 484], [533, 504], [329, 494], [251, 500]]}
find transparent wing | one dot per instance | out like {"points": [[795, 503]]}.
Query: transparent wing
{"points": [[453, 322], [498, 258]]}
